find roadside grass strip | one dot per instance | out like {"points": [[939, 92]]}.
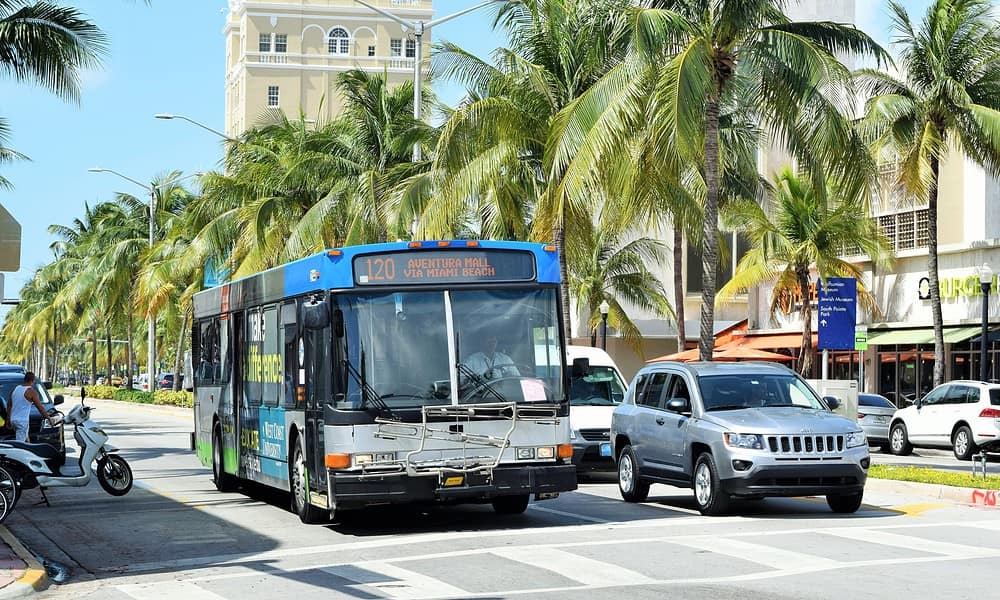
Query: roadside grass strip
{"points": [[925, 475]]}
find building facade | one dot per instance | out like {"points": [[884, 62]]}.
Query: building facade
{"points": [[286, 54]]}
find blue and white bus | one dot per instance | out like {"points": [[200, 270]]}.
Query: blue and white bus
{"points": [[389, 373]]}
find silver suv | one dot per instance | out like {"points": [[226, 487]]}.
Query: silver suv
{"points": [[735, 430]]}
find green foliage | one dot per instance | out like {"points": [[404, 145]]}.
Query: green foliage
{"points": [[164, 397], [170, 398], [138, 396], [924, 475], [104, 392]]}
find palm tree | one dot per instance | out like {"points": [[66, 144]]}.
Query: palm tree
{"points": [[713, 53], [800, 230], [948, 97], [605, 265], [496, 179]]}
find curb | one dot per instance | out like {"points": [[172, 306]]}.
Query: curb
{"points": [[35, 579], [933, 491]]}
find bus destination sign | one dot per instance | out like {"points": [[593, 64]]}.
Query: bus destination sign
{"points": [[443, 266]]}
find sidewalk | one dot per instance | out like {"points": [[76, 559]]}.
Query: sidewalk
{"points": [[20, 572]]}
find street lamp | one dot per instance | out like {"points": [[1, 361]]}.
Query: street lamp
{"points": [[985, 281], [605, 308], [151, 330], [418, 28], [168, 116]]}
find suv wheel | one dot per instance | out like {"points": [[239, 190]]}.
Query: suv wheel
{"points": [[633, 487], [962, 443], [844, 504], [708, 488], [898, 442]]}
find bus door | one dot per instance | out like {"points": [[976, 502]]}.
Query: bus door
{"points": [[316, 338], [236, 336]]}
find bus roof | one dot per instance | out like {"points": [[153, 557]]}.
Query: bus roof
{"points": [[333, 269]]}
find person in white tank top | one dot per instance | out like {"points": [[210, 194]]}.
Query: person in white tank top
{"points": [[19, 407]]}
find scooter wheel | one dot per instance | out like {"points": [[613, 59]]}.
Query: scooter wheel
{"points": [[114, 475], [10, 492]]}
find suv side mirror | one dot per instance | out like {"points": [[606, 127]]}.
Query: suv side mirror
{"points": [[832, 402], [581, 367], [679, 405], [59, 399], [47, 385]]}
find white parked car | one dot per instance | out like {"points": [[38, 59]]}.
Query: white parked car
{"points": [[962, 415]]}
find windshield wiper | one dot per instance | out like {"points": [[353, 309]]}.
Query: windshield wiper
{"points": [[727, 407], [475, 378], [368, 393]]}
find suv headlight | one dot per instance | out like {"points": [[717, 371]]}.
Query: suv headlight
{"points": [[747, 441], [855, 439]]}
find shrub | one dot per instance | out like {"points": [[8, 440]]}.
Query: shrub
{"points": [[141, 397], [171, 398], [105, 392], [165, 397]]}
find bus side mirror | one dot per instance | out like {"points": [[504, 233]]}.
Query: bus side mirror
{"points": [[581, 367], [338, 323], [315, 315]]}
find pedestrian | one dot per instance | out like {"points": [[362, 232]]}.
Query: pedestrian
{"points": [[19, 407]]}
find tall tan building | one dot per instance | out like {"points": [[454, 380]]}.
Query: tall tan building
{"points": [[287, 53]]}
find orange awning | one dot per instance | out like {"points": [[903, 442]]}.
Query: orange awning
{"points": [[775, 341], [744, 353]]}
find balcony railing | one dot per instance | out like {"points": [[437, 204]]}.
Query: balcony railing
{"points": [[329, 60]]}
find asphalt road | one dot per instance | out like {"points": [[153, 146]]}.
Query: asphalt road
{"points": [[175, 537], [934, 458]]}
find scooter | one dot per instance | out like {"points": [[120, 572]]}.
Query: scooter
{"points": [[37, 465]]}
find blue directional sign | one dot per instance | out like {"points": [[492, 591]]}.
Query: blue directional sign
{"points": [[838, 312]]}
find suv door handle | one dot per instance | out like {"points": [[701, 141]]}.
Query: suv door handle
{"points": [[660, 420]]}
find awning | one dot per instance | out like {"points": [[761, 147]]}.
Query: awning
{"points": [[774, 341], [952, 335], [991, 336]]}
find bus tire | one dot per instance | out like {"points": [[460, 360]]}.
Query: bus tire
{"points": [[301, 506], [511, 505], [224, 482]]}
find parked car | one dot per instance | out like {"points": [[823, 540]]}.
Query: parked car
{"points": [[874, 414], [961, 415], [53, 436], [166, 381], [9, 368], [142, 381], [593, 397], [729, 430]]}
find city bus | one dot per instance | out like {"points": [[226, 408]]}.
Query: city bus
{"points": [[388, 373]]}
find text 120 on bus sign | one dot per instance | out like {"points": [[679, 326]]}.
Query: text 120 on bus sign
{"points": [[443, 266]]}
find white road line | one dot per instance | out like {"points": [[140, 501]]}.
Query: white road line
{"points": [[915, 543], [776, 558], [168, 590], [561, 513], [395, 581], [572, 566]]}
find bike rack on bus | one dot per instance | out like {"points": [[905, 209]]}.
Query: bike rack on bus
{"points": [[482, 463]]}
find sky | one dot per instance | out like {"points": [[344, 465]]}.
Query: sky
{"points": [[168, 56]]}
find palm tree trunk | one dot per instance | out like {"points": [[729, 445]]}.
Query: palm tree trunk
{"points": [[45, 356], [93, 354], [710, 241], [806, 351], [679, 284], [932, 274], [130, 355], [559, 238], [107, 381], [179, 356]]}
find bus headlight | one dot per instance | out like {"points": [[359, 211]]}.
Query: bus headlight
{"points": [[525, 453], [547, 452]]}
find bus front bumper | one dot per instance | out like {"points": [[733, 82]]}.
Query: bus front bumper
{"points": [[351, 490]]}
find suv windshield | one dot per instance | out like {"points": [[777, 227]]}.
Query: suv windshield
{"points": [[601, 387], [395, 352], [732, 392]]}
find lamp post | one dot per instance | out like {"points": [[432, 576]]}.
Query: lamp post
{"points": [[605, 308], [151, 328], [985, 281], [169, 116]]}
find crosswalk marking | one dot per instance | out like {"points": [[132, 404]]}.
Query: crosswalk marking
{"points": [[770, 556], [395, 581], [573, 566], [906, 541], [168, 590]]}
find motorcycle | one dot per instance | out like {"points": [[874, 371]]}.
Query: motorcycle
{"points": [[26, 466]]}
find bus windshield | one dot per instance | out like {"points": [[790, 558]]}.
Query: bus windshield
{"points": [[395, 350]]}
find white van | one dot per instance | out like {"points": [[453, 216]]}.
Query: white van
{"points": [[592, 401]]}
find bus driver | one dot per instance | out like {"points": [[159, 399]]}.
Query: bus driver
{"points": [[490, 363]]}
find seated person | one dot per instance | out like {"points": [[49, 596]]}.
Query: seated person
{"points": [[490, 363]]}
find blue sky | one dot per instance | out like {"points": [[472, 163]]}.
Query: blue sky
{"points": [[167, 57]]}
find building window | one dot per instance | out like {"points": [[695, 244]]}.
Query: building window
{"points": [[727, 261], [272, 96], [281, 42], [339, 41], [395, 48], [411, 49], [371, 50], [265, 42]]}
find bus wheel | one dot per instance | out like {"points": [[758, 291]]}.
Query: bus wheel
{"points": [[511, 505], [308, 513], [224, 482]]}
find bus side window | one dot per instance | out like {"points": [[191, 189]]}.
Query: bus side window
{"points": [[223, 363], [289, 347], [270, 357]]}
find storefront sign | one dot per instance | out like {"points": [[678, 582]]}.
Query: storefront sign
{"points": [[837, 315], [955, 287]]}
